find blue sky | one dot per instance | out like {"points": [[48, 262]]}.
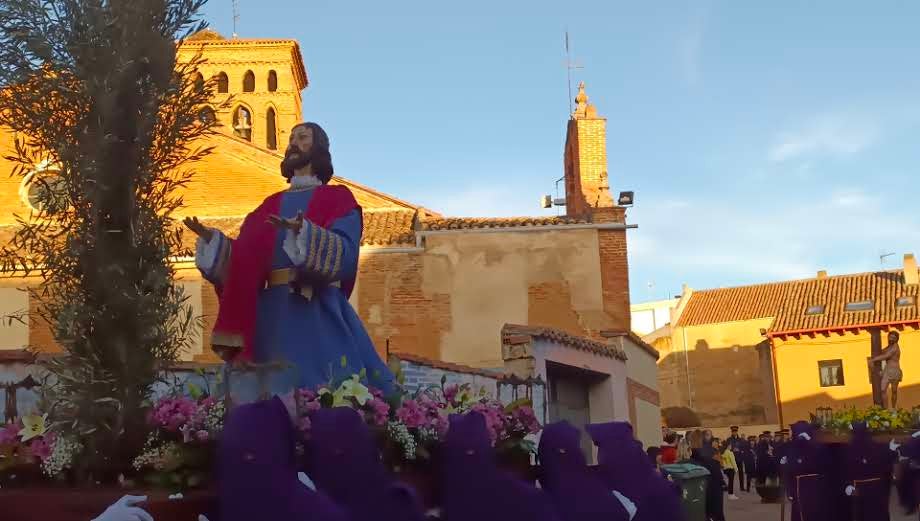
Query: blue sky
{"points": [[763, 142]]}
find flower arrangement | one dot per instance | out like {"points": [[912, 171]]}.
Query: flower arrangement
{"points": [[878, 419], [29, 447], [179, 449]]}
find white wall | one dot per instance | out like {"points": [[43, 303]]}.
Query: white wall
{"points": [[649, 316]]}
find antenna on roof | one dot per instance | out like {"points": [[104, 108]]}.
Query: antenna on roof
{"points": [[883, 256], [236, 16], [569, 66]]}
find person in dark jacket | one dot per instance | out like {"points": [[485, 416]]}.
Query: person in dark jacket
{"points": [[750, 461], [738, 445]]}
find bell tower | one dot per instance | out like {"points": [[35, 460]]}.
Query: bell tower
{"points": [[586, 185], [263, 79]]}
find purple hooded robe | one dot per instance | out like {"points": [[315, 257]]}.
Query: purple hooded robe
{"points": [[909, 482], [807, 475], [577, 493], [868, 470], [474, 489], [257, 469], [344, 462], [625, 467]]}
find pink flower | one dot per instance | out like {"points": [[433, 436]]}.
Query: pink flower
{"points": [[202, 435], [380, 411], [494, 416], [9, 433], [376, 393], [304, 424], [173, 413], [451, 391], [524, 420], [411, 414], [41, 448]]}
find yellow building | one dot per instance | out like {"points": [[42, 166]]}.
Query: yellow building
{"points": [[774, 353]]}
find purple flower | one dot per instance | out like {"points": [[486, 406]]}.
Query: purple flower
{"points": [[451, 391], [202, 435], [304, 424]]}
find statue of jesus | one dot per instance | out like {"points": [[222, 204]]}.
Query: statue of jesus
{"points": [[284, 282], [891, 374]]}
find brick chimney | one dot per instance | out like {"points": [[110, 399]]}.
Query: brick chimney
{"points": [[586, 185], [911, 275], [822, 274]]}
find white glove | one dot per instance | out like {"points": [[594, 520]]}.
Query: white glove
{"points": [[783, 460], [849, 490], [125, 510], [805, 436], [915, 435], [203, 518], [306, 481], [627, 504], [893, 445]]}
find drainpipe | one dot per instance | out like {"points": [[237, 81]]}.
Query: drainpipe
{"points": [[687, 360]]}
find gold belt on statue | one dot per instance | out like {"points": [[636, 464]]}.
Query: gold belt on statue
{"points": [[284, 276]]}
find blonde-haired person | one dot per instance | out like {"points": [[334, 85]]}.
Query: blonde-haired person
{"points": [[729, 467], [683, 451]]}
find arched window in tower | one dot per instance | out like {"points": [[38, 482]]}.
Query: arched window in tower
{"points": [[207, 115], [242, 123], [272, 81], [199, 82], [249, 82], [271, 132], [223, 83]]}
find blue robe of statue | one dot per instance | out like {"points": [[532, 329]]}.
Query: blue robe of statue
{"points": [[312, 335]]}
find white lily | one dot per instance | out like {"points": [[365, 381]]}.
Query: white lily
{"points": [[33, 426]]}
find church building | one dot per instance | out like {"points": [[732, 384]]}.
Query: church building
{"points": [[536, 297]]}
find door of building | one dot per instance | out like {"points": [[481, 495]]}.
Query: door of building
{"points": [[568, 400]]}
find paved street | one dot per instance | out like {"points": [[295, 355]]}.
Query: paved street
{"points": [[749, 508]]}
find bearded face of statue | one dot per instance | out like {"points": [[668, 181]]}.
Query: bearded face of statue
{"points": [[297, 155]]}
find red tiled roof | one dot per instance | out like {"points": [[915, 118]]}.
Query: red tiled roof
{"points": [[464, 223], [787, 302], [446, 366], [513, 333], [712, 306]]}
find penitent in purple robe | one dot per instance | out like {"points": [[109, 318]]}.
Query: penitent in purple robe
{"points": [[868, 470], [474, 489], [343, 460], [909, 482], [806, 466], [257, 470], [626, 468], [578, 493]]}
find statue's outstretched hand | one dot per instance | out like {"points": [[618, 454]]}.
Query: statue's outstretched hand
{"points": [[294, 224], [192, 223]]}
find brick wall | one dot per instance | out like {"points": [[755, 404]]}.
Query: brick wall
{"points": [[615, 277], [393, 305]]}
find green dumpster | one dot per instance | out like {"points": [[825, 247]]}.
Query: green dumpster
{"points": [[692, 480]]}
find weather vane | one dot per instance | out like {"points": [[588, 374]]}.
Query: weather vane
{"points": [[236, 16], [569, 67]]}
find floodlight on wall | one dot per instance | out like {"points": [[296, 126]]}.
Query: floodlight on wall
{"points": [[626, 199], [547, 201]]}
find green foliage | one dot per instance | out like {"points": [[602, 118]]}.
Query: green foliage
{"points": [[106, 124]]}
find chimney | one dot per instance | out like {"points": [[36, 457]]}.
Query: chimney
{"points": [[822, 274], [911, 275], [586, 185]]}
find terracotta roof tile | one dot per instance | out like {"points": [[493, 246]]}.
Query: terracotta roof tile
{"points": [[635, 339], [511, 335], [462, 223], [787, 302]]}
